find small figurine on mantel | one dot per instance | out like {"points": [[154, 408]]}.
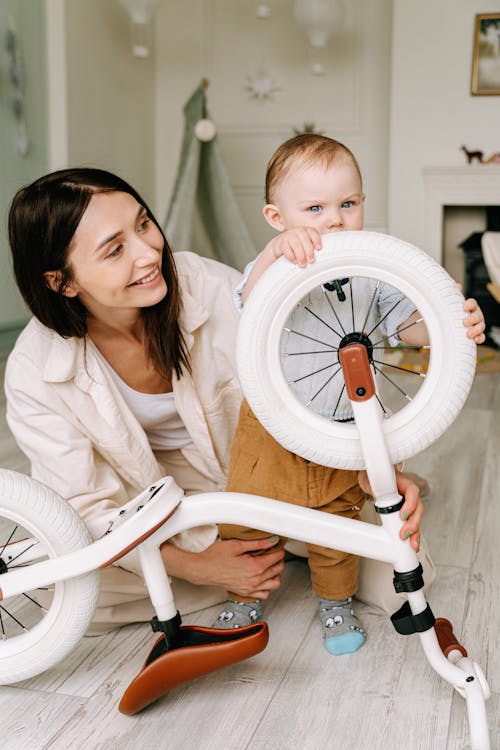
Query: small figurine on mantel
{"points": [[471, 155]]}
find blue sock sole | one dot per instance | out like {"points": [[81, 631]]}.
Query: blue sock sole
{"points": [[347, 643]]}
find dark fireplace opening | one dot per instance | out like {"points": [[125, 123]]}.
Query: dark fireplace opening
{"points": [[476, 276]]}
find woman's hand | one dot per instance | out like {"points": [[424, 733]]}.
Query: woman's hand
{"points": [[412, 510], [231, 565]]}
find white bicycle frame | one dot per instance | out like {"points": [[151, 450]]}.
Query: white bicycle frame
{"points": [[163, 513]]}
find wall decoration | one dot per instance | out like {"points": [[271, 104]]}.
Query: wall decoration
{"points": [[486, 55], [263, 11], [320, 19], [205, 130], [307, 127], [16, 75], [140, 13], [262, 85]]}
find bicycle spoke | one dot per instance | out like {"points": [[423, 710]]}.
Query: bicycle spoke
{"points": [[401, 347], [381, 405], [323, 343], [8, 540], [385, 316], [333, 310], [338, 402], [400, 330], [21, 553], [403, 369], [407, 397], [371, 305], [323, 386], [35, 601], [2, 626], [322, 321], [14, 618], [352, 306], [309, 375], [318, 351]]}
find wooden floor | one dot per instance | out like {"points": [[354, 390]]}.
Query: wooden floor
{"points": [[294, 695]]}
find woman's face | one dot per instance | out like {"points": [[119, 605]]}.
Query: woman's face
{"points": [[115, 257]]}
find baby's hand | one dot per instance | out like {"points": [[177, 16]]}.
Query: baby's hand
{"points": [[474, 321], [298, 245]]}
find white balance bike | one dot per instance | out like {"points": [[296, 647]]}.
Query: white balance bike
{"points": [[45, 545]]}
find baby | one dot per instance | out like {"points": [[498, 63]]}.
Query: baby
{"points": [[314, 186]]}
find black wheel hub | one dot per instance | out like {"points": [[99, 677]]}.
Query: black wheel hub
{"points": [[3, 566], [358, 338]]}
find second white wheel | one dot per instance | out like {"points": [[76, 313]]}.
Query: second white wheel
{"points": [[395, 263]]}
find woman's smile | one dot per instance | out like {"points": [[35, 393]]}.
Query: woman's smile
{"points": [[147, 280]]}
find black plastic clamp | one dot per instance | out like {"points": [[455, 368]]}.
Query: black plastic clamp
{"points": [[170, 628], [390, 508], [406, 623], [410, 581]]}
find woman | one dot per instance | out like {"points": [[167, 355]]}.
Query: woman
{"points": [[126, 373]]}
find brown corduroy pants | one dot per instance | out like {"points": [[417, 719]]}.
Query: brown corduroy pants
{"points": [[260, 466]]}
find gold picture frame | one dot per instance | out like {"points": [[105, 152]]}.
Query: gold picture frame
{"points": [[486, 55]]}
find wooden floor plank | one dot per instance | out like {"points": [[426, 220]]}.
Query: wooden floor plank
{"points": [[454, 466], [28, 719]]}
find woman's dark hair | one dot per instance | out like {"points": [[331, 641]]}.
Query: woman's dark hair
{"points": [[43, 219]]}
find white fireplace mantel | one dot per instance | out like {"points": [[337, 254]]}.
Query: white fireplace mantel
{"points": [[474, 185]]}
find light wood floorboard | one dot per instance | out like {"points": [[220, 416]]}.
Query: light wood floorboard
{"points": [[294, 695]]}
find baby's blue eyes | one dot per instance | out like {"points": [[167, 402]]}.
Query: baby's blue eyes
{"points": [[317, 209]]}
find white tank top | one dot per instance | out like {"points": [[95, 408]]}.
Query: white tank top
{"points": [[156, 413]]}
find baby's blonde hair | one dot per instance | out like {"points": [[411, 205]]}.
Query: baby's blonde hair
{"points": [[302, 150]]}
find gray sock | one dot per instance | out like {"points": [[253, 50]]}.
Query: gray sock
{"points": [[342, 630], [238, 614]]}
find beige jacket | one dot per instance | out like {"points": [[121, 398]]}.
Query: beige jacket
{"points": [[81, 438]]}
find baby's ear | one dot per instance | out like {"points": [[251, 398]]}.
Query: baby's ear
{"points": [[272, 215], [53, 281]]}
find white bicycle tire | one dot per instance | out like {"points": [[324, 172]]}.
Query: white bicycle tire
{"points": [[392, 261], [48, 517]]}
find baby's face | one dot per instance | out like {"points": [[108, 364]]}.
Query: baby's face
{"points": [[329, 198]]}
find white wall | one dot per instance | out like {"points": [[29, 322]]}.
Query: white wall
{"points": [[96, 109], [401, 105], [432, 110], [224, 41], [110, 94], [15, 169]]}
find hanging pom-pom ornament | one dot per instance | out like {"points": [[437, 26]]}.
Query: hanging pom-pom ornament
{"points": [[205, 130], [263, 10]]}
